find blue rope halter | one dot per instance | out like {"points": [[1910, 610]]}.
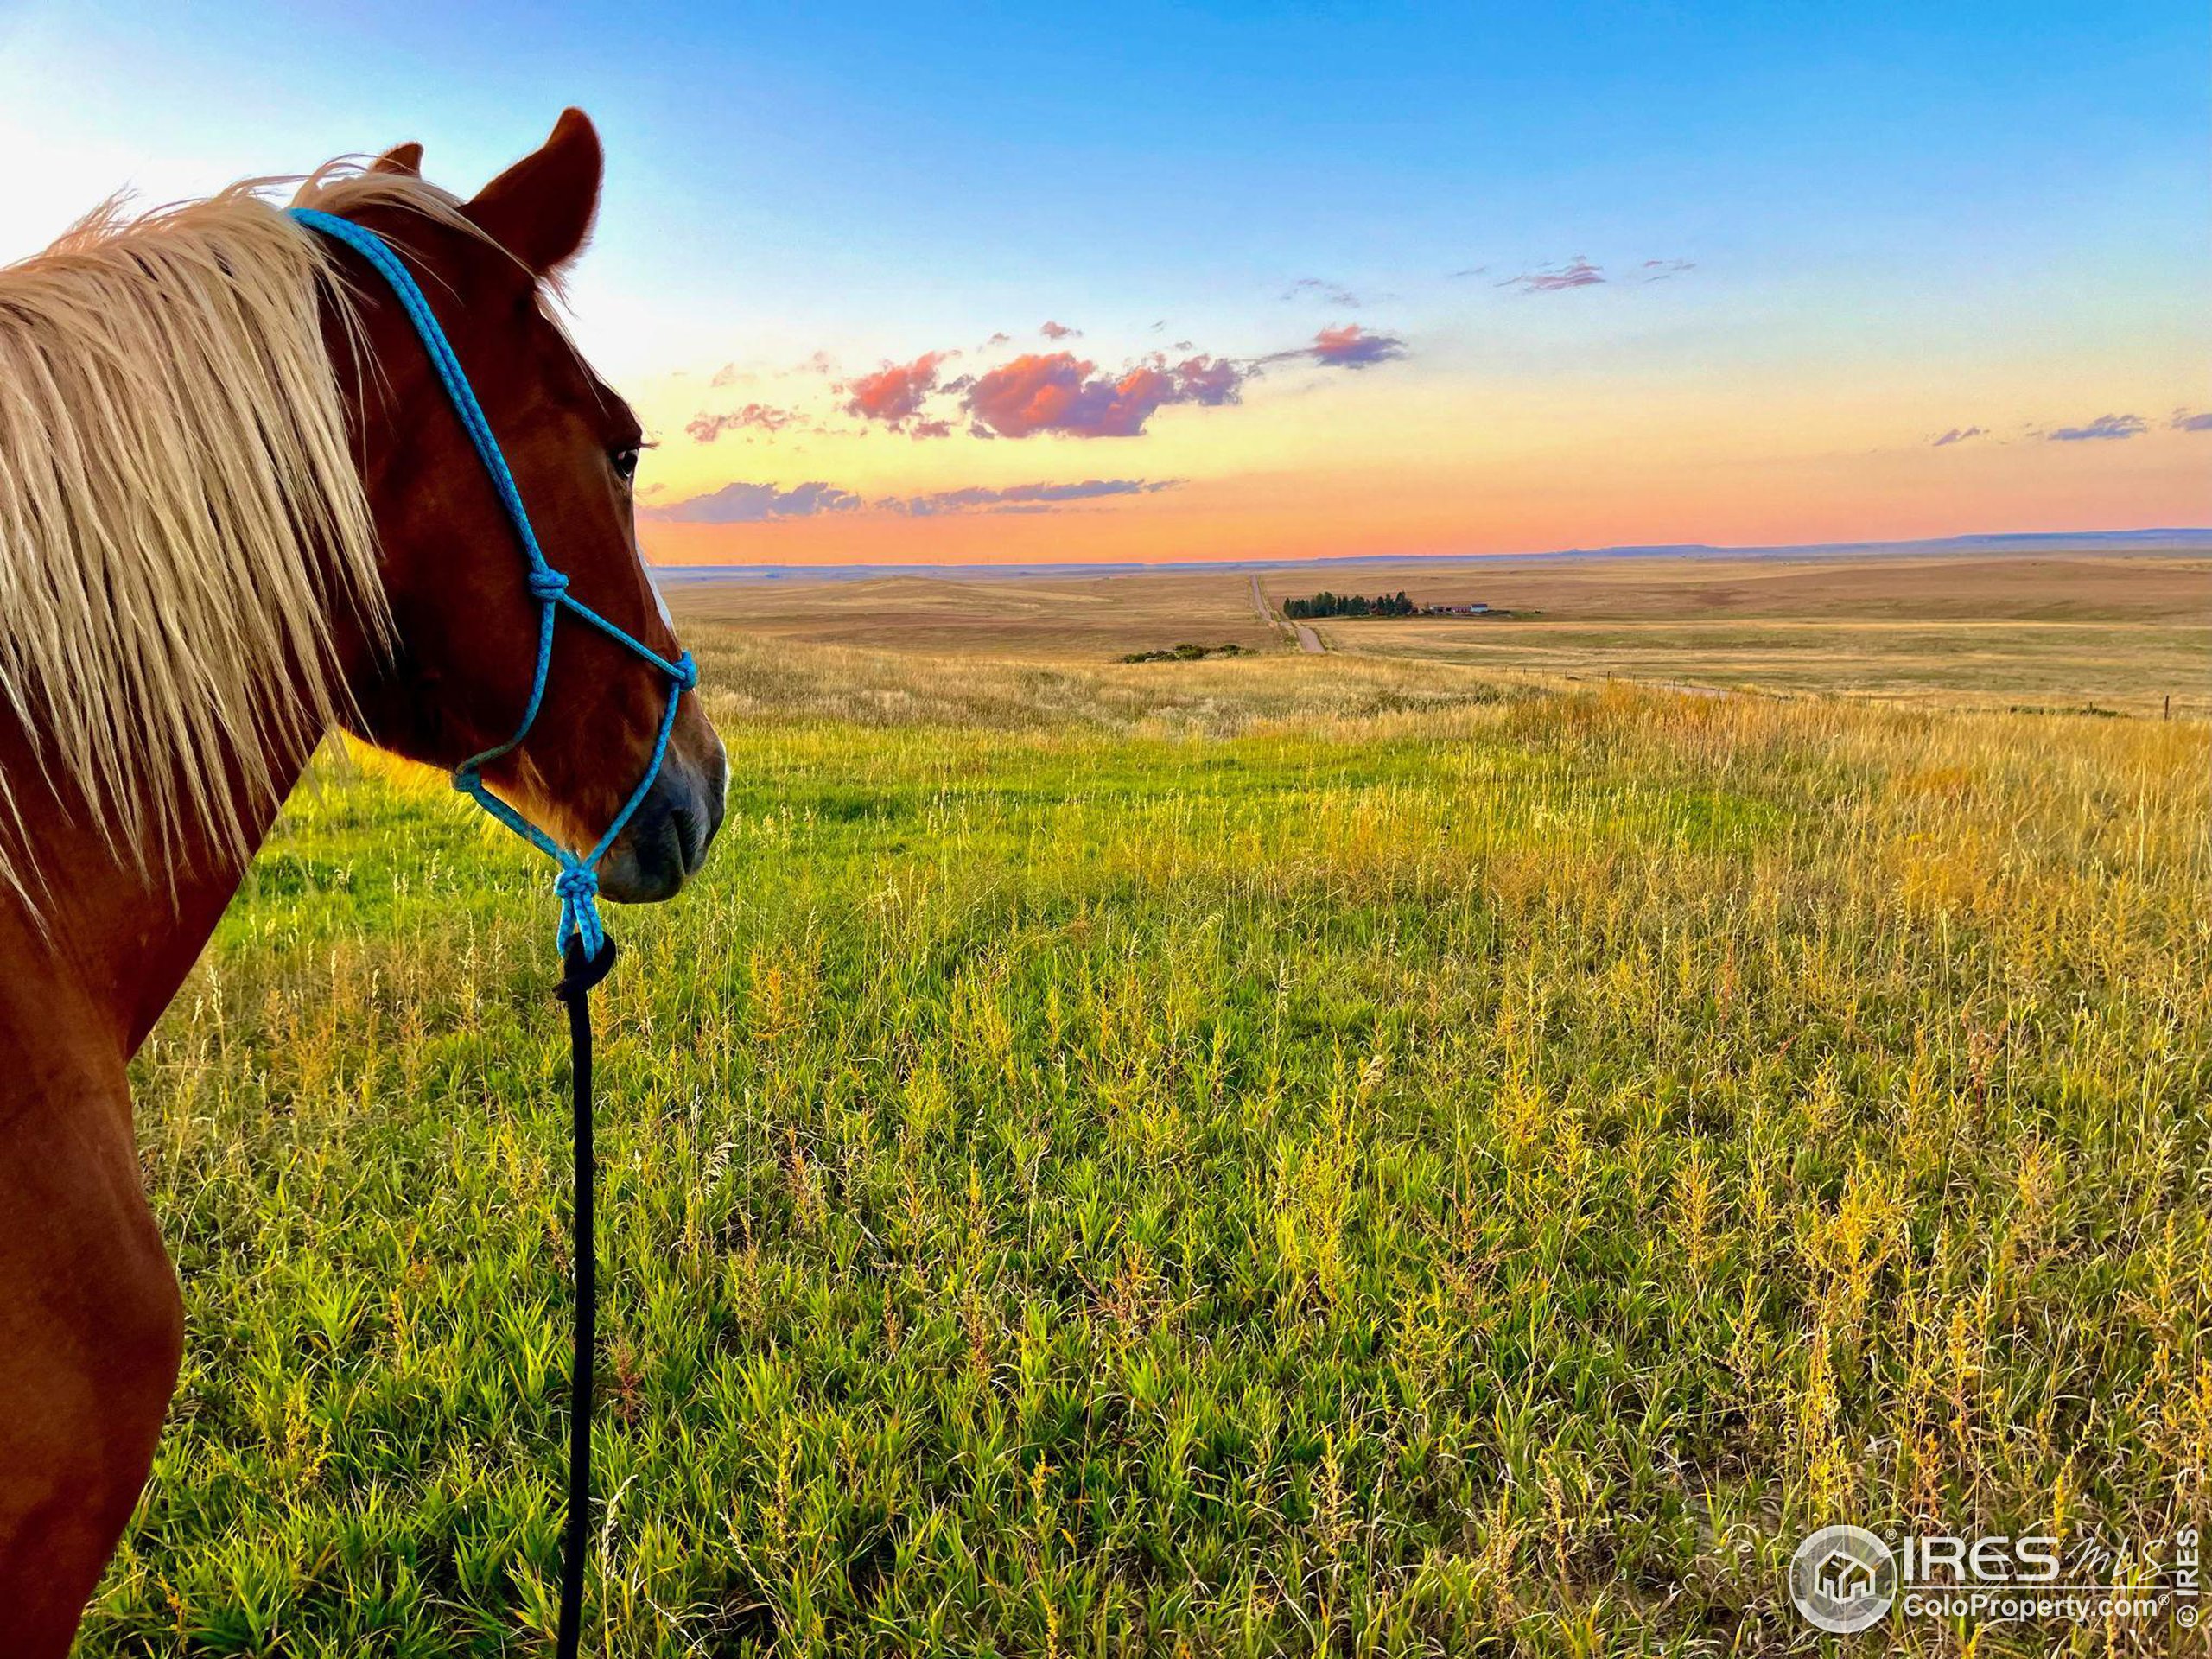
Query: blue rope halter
{"points": [[578, 883], [584, 944]]}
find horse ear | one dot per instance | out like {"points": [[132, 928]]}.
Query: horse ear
{"points": [[540, 210], [404, 159]]}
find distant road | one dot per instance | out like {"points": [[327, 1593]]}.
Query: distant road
{"points": [[1308, 641]]}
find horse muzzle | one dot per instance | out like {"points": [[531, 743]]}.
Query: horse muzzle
{"points": [[666, 839]]}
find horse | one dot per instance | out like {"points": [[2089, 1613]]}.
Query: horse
{"points": [[237, 510]]}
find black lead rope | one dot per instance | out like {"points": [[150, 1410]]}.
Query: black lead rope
{"points": [[582, 973]]}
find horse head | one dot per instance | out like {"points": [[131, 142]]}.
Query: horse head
{"points": [[463, 647]]}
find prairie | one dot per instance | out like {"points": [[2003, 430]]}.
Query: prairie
{"points": [[2122, 633], [1353, 1154], [2109, 634]]}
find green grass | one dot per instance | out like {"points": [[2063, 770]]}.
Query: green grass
{"points": [[1270, 1157]]}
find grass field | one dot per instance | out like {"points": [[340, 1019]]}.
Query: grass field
{"points": [[2105, 634], [2121, 632], [1280, 1155]]}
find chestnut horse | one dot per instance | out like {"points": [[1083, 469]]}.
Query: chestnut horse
{"points": [[235, 507]]}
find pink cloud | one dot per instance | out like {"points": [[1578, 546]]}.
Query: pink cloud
{"points": [[893, 394], [1059, 391], [1059, 331], [1350, 347], [1208, 380]]}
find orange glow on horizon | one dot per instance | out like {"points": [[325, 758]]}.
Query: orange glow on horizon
{"points": [[1429, 456], [1510, 508]]}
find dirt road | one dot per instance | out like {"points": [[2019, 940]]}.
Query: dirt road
{"points": [[1308, 641]]}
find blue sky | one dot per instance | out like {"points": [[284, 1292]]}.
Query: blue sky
{"points": [[1888, 205]]}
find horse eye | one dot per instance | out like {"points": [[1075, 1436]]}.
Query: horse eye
{"points": [[625, 462]]}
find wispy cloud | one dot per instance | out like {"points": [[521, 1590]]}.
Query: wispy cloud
{"points": [[1577, 272], [705, 427], [1059, 331], [1958, 435], [1059, 391], [894, 393], [1023, 497], [2185, 421], [2105, 426], [1350, 347], [753, 503], [1581, 272], [1319, 287]]}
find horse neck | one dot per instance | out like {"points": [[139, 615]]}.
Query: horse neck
{"points": [[103, 942]]}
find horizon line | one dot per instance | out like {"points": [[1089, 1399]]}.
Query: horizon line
{"points": [[2173, 537]]}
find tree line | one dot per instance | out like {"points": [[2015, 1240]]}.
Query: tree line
{"points": [[1328, 604]]}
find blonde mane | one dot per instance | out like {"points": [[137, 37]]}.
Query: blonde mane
{"points": [[180, 516]]}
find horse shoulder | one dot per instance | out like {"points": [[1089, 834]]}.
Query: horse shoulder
{"points": [[91, 1320]]}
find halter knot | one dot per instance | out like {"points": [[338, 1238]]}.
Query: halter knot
{"points": [[578, 886], [576, 882], [547, 582], [686, 673]]}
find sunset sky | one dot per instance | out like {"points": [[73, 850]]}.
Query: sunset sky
{"points": [[1134, 283]]}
